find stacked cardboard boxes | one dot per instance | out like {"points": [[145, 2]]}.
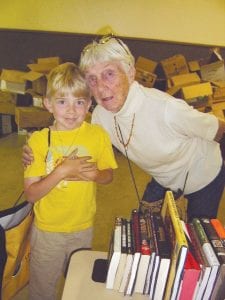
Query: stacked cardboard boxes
{"points": [[200, 83], [28, 89]]}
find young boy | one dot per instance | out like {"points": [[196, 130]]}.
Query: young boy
{"points": [[70, 157]]}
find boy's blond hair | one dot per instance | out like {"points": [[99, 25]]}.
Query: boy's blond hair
{"points": [[67, 78]]}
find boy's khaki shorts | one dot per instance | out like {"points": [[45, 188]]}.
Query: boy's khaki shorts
{"points": [[50, 252]]}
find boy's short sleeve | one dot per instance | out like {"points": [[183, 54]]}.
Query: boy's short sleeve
{"points": [[37, 142]]}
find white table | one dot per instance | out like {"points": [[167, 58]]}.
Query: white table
{"points": [[79, 284]]}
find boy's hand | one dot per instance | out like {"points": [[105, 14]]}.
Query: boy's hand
{"points": [[73, 167]]}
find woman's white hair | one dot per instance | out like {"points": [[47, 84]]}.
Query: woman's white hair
{"points": [[108, 50]]}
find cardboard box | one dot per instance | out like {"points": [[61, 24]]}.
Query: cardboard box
{"points": [[199, 102], [145, 71], [197, 90], [32, 117], [218, 110], [5, 124], [53, 59], [174, 65], [219, 93], [45, 65], [146, 64], [193, 65], [185, 79], [14, 81], [145, 78], [213, 72], [38, 82]]}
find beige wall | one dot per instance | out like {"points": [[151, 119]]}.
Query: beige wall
{"points": [[191, 21]]}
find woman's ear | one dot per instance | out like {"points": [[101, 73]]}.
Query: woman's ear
{"points": [[131, 74], [48, 104]]}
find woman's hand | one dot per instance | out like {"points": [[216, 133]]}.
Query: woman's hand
{"points": [[27, 156]]}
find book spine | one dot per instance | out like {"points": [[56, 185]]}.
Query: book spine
{"points": [[170, 204], [204, 241], [219, 229], [214, 239], [145, 248], [136, 230], [195, 246], [153, 252], [124, 236], [117, 234], [129, 235], [162, 241], [200, 231]]}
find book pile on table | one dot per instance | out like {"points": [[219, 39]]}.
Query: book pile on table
{"points": [[158, 255]]}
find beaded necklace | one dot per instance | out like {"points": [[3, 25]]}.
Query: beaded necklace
{"points": [[66, 152], [119, 133]]}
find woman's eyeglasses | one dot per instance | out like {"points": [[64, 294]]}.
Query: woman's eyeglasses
{"points": [[103, 40]]}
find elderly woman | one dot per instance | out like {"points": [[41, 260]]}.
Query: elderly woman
{"points": [[174, 143]]}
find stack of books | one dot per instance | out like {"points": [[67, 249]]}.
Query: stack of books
{"points": [[159, 255]]}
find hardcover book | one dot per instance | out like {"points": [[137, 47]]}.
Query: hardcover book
{"points": [[155, 266], [129, 258], [137, 252], [114, 253], [123, 256], [145, 256], [190, 278], [219, 287], [196, 249], [210, 255], [219, 229], [179, 245], [164, 247], [154, 261]]}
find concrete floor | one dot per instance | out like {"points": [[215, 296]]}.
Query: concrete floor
{"points": [[116, 199]]}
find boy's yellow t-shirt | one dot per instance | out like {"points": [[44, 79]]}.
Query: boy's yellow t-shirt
{"points": [[71, 205]]}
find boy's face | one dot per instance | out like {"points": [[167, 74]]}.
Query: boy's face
{"points": [[109, 84], [69, 112]]}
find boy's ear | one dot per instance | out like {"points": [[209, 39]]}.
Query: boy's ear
{"points": [[48, 104]]}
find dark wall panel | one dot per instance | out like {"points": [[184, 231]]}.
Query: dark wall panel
{"points": [[18, 48]]}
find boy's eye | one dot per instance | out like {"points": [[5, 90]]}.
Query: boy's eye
{"points": [[80, 102], [60, 101]]}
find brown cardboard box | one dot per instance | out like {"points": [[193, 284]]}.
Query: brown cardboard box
{"points": [[146, 64], [218, 88], [145, 71], [7, 108], [218, 110], [219, 94], [145, 78], [44, 65], [193, 65], [174, 65], [13, 81], [7, 103], [213, 72], [38, 81], [197, 90], [185, 79], [5, 124], [27, 117]]}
